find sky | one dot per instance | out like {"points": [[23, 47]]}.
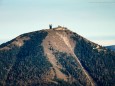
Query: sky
{"points": [[93, 19]]}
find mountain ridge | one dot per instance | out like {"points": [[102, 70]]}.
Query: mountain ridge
{"points": [[112, 47], [56, 57]]}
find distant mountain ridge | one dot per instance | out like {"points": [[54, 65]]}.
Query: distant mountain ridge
{"points": [[55, 57], [112, 47]]}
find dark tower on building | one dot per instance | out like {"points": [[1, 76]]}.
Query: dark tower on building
{"points": [[50, 26]]}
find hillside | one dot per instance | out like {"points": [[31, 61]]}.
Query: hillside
{"points": [[55, 57]]}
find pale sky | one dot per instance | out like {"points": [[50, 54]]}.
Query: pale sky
{"points": [[93, 19]]}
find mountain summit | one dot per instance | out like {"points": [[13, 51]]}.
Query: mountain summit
{"points": [[55, 57]]}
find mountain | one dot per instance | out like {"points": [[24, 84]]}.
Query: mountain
{"points": [[112, 47], [55, 57]]}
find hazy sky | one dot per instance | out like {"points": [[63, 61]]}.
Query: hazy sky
{"points": [[93, 19]]}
